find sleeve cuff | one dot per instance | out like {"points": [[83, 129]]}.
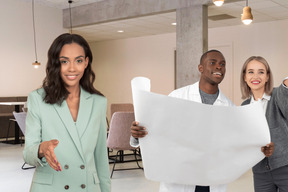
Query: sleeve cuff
{"points": [[284, 84], [134, 142], [40, 162]]}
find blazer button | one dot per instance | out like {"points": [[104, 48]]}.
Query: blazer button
{"points": [[66, 187], [82, 166], [83, 186], [66, 166]]}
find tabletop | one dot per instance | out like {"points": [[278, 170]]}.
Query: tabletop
{"points": [[13, 103]]}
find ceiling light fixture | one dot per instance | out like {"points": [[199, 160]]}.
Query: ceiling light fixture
{"points": [[36, 64], [247, 16], [173, 23], [218, 3], [70, 1]]}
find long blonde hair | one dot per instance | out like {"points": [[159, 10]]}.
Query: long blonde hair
{"points": [[245, 89]]}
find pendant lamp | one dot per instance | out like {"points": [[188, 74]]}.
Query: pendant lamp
{"points": [[36, 64], [247, 16], [70, 2]]}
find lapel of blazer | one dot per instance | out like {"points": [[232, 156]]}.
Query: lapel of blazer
{"points": [[82, 118], [84, 113]]}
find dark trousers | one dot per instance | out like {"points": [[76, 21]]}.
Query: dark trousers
{"points": [[202, 189], [272, 181]]}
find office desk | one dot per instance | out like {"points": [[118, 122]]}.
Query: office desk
{"points": [[17, 109]]}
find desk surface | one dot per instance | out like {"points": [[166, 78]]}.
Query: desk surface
{"points": [[13, 103]]}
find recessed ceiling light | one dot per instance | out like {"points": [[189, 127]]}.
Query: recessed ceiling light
{"points": [[173, 23], [218, 3], [120, 31]]}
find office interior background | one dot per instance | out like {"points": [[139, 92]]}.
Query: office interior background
{"points": [[117, 62]]}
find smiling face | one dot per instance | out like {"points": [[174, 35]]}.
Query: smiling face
{"points": [[256, 76], [73, 64], [212, 68]]}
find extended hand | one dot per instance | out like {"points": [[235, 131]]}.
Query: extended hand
{"points": [[138, 131], [46, 149], [268, 149]]}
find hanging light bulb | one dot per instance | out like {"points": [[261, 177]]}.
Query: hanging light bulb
{"points": [[36, 64], [247, 16], [218, 3], [70, 1]]}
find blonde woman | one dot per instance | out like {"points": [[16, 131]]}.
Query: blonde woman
{"points": [[270, 174]]}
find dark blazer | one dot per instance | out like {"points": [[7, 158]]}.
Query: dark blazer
{"points": [[277, 118], [81, 152]]}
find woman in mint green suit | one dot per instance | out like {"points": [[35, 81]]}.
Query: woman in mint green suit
{"points": [[66, 123]]}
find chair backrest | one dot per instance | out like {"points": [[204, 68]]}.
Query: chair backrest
{"points": [[21, 120], [115, 107], [119, 132]]}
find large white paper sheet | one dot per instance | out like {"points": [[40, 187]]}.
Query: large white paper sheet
{"points": [[194, 143]]}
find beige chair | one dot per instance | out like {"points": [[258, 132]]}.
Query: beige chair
{"points": [[24, 109], [21, 120], [121, 107], [119, 139], [115, 107]]}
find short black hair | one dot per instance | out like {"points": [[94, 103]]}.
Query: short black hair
{"points": [[205, 54]]}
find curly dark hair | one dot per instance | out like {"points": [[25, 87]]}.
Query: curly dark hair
{"points": [[53, 84]]}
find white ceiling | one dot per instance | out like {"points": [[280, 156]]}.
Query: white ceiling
{"points": [[262, 10]]}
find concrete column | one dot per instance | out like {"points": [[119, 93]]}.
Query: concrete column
{"points": [[191, 42]]}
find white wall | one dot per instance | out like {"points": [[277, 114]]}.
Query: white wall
{"points": [[17, 76], [269, 40], [117, 62]]}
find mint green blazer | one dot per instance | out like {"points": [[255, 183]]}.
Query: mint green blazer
{"points": [[81, 151]]}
